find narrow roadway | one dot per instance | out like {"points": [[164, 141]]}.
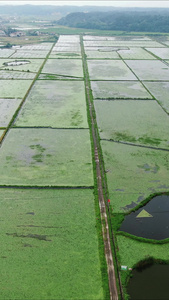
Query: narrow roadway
{"points": [[105, 227]]}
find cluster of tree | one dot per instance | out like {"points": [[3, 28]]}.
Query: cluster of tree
{"points": [[144, 20]]}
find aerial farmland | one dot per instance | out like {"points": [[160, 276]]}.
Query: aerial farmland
{"points": [[51, 227]]}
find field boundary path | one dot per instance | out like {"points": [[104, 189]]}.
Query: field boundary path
{"points": [[103, 212]]}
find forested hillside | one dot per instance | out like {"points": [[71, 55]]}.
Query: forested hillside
{"points": [[145, 20]]}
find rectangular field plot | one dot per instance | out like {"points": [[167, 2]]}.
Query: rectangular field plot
{"points": [[119, 90], [59, 54], [102, 54], [62, 47], [31, 65], [109, 70], [160, 91], [149, 69], [18, 88], [16, 75], [7, 110], [135, 53], [45, 240], [122, 43], [29, 54], [60, 104], [6, 53], [160, 52], [134, 173], [64, 67], [38, 47], [46, 157], [68, 39], [115, 38], [137, 122]]}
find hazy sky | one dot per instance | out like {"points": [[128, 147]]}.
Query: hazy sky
{"points": [[125, 3]]}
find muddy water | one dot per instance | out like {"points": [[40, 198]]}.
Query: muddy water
{"points": [[150, 221], [150, 283]]}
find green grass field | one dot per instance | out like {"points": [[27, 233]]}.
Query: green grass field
{"points": [[48, 105], [119, 90], [131, 121], [7, 110], [133, 174], [46, 157], [18, 88], [160, 91], [49, 245]]}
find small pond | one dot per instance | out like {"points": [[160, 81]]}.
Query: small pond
{"points": [[150, 221], [150, 283], [16, 63]]}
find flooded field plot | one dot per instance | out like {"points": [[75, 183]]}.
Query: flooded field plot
{"points": [[133, 173], [18, 88], [115, 38], [160, 52], [102, 54], [29, 54], [137, 122], [135, 53], [31, 65], [149, 70], [46, 157], [39, 47], [16, 75], [160, 90], [45, 240], [119, 90], [59, 54], [69, 39], [123, 43], [48, 105], [64, 67], [7, 110], [109, 70], [62, 47], [6, 52]]}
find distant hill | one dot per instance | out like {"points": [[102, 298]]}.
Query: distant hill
{"points": [[144, 20]]}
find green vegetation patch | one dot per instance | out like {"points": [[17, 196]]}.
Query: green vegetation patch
{"points": [[46, 157], [54, 103], [135, 53], [7, 110], [65, 55], [119, 89], [134, 173], [139, 122], [132, 251], [32, 65], [1, 132], [109, 70], [160, 52], [160, 90], [64, 67], [49, 245], [149, 69], [18, 88]]}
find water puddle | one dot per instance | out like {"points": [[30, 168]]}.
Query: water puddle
{"points": [[150, 283], [150, 221]]}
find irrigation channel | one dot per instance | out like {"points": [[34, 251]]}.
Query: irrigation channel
{"points": [[114, 278]]}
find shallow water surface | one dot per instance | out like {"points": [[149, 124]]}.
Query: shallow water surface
{"points": [[150, 283], [150, 221]]}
